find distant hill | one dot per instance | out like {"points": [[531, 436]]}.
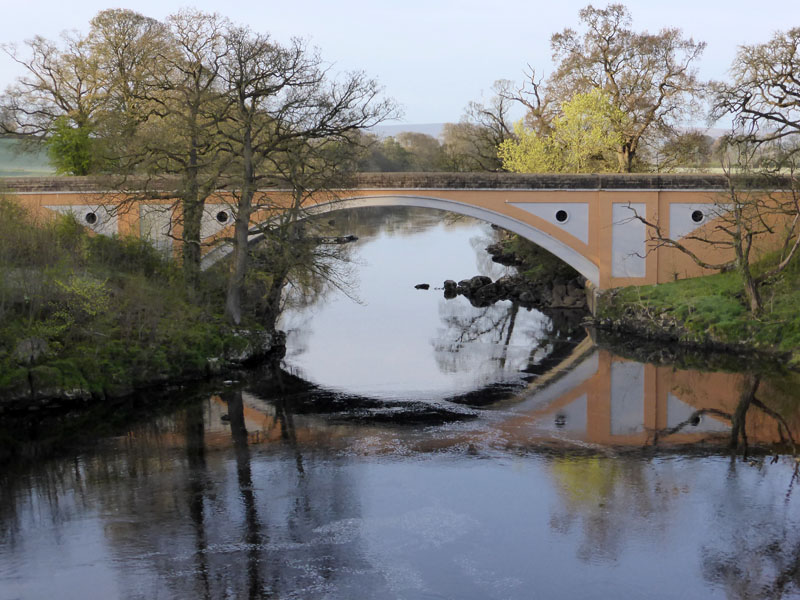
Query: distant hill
{"points": [[22, 164], [433, 129]]}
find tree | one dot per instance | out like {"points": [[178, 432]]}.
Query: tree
{"points": [[177, 106], [472, 143], [279, 97], [759, 202], [764, 100], [688, 149], [87, 83], [70, 147], [581, 139], [382, 155], [60, 90], [648, 77], [764, 96]]}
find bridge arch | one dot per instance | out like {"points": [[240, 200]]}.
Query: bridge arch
{"points": [[561, 250]]}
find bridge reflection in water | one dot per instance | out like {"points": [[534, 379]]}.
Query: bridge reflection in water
{"points": [[593, 400]]}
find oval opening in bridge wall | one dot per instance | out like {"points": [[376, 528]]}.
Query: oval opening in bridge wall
{"points": [[562, 216], [698, 216], [90, 218], [222, 216]]}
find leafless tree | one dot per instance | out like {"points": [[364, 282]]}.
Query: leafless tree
{"points": [[282, 99]]}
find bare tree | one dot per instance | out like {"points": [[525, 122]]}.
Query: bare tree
{"points": [[177, 106], [472, 143], [758, 203], [280, 96], [764, 96]]}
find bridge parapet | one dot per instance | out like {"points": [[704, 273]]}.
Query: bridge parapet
{"points": [[498, 181]]}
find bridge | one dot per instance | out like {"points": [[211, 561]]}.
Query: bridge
{"points": [[586, 220]]}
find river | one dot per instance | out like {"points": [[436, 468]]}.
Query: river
{"points": [[415, 447]]}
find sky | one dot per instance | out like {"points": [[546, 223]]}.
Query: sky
{"points": [[431, 56]]}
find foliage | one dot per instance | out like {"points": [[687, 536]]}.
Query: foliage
{"points": [[108, 313], [70, 148], [583, 139], [648, 77], [537, 263]]}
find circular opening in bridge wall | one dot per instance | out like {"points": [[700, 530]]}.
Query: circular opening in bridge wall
{"points": [[223, 216], [698, 216], [562, 216], [90, 218]]}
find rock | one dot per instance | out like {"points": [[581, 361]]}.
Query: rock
{"points": [[346, 239], [450, 285], [249, 346], [488, 294], [478, 282], [29, 350], [422, 286]]}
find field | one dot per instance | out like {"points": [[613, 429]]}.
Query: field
{"points": [[22, 164]]}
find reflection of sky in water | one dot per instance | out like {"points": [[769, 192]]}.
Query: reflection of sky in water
{"points": [[406, 343]]}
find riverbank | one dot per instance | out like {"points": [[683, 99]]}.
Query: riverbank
{"points": [[709, 313], [85, 318]]}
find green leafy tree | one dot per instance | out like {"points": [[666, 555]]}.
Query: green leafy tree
{"points": [[583, 138], [70, 147]]}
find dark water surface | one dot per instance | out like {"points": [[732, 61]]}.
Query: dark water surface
{"points": [[416, 447]]}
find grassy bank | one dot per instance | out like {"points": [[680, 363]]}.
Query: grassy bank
{"points": [[711, 312], [86, 316]]}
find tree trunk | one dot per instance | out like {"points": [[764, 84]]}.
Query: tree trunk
{"points": [[233, 298], [192, 207], [625, 155]]}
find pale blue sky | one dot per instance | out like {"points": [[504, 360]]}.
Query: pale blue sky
{"points": [[432, 56]]}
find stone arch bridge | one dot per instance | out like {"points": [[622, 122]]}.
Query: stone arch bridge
{"points": [[587, 220]]}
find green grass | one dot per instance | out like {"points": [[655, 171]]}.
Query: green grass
{"points": [[713, 309], [14, 163]]}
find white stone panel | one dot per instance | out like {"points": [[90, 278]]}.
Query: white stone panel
{"points": [[96, 217], [627, 398], [211, 224], [681, 222], [577, 223], [155, 225], [679, 412], [628, 240], [571, 418]]}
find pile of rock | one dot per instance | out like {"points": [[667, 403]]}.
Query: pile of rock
{"points": [[482, 291]]}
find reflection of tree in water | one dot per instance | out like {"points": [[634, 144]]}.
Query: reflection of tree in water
{"points": [[500, 337], [368, 222], [606, 498], [200, 510], [758, 555], [749, 402], [483, 260]]}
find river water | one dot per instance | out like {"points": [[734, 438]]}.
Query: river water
{"points": [[415, 447]]}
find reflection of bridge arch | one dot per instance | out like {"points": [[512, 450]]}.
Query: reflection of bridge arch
{"points": [[573, 257]]}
